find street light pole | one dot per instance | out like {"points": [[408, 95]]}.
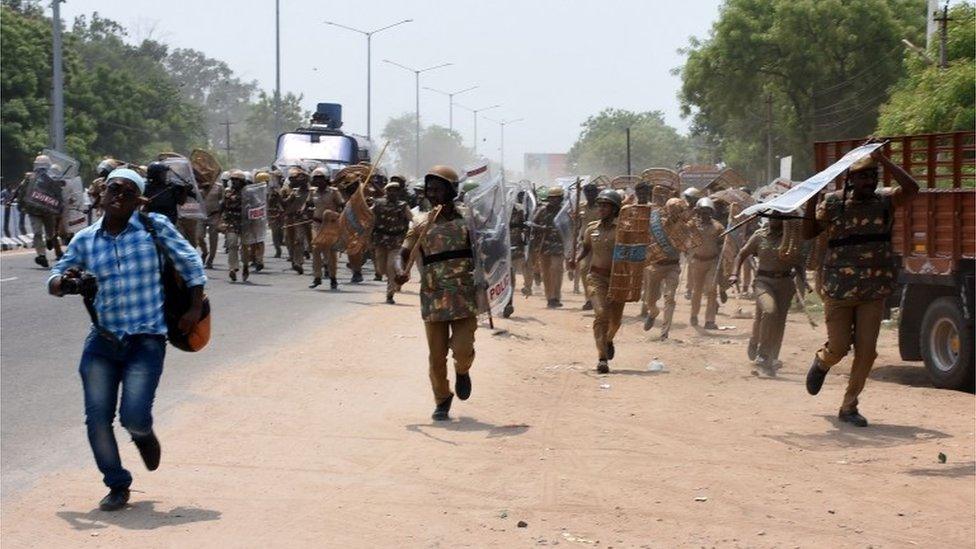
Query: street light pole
{"points": [[501, 125], [416, 73], [369, 66], [277, 93], [450, 97], [57, 84], [475, 112]]}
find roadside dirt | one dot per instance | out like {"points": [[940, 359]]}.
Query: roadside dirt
{"points": [[331, 445]]}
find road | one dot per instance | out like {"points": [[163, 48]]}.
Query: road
{"points": [[42, 424]]}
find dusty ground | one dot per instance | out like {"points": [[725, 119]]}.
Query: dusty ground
{"points": [[331, 445]]}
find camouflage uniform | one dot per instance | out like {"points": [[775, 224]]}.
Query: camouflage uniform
{"points": [[702, 266], [392, 219], [327, 201], [447, 296], [774, 292], [858, 273], [607, 314], [232, 217], [517, 230], [549, 245]]}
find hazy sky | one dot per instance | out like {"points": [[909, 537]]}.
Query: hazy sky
{"points": [[550, 62]]}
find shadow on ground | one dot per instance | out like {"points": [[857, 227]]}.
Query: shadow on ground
{"points": [[843, 435], [465, 424], [141, 515]]}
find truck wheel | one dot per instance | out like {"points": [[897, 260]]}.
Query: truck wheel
{"points": [[946, 342]]}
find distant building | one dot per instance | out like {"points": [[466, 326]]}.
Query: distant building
{"points": [[545, 167]]}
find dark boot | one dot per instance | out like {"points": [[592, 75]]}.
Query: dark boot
{"points": [[245, 273], [462, 386], [42, 261], [588, 306], [752, 349], [297, 268], [316, 282], [115, 500], [277, 254], [509, 309], [711, 326], [333, 284], [232, 274], [389, 299], [815, 376], [611, 351], [377, 277], [649, 323], [602, 367], [852, 417], [442, 409], [357, 278], [149, 450]]}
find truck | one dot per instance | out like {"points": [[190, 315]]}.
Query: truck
{"points": [[934, 239], [322, 143]]}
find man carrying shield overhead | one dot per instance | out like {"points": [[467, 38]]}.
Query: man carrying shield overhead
{"points": [[448, 292]]}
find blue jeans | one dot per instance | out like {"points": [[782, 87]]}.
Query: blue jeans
{"points": [[136, 363]]}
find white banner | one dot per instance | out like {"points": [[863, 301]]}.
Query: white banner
{"points": [[798, 195], [488, 216]]}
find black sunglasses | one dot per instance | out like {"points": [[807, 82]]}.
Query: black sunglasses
{"points": [[121, 189]]}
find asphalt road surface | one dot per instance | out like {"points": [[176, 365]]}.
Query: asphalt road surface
{"points": [[42, 421]]}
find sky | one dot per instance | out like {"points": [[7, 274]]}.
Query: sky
{"points": [[552, 63]]}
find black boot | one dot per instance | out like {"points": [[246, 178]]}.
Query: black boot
{"points": [[462, 386], [815, 376], [115, 500], [588, 306], [389, 299], [610, 350], [649, 323], [333, 284], [509, 309], [316, 282], [602, 367], [442, 409], [377, 277], [149, 449], [852, 417], [42, 261], [357, 278], [232, 274]]}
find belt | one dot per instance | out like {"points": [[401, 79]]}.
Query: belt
{"points": [[855, 239], [709, 258], [599, 270], [666, 262], [445, 256], [774, 274], [391, 232]]}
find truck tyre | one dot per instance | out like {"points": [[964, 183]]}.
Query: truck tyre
{"points": [[946, 342]]}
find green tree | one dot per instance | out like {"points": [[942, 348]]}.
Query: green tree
{"points": [[602, 145], [932, 99], [438, 145], [820, 68], [255, 143]]}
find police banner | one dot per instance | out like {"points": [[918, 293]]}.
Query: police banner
{"points": [[798, 195], [488, 216]]}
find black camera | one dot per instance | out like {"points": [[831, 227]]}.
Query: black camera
{"points": [[85, 285]]}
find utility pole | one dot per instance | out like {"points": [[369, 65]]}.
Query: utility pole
{"points": [[227, 148], [277, 93], [57, 80], [943, 21], [450, 102], [501, 125], [931, 12], [475, 112], [769, 137], [629, 171]]}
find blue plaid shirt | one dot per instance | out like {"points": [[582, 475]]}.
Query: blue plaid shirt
{"points": [[130, 292]]}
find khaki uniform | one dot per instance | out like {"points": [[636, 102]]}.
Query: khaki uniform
{"points": [[701, 270], [520, 264], [857, 275], [276, 219], [447, 296], [327, 201], [607, 314], [298, 236], [774, 293], [210, 235], [587, 214], [661, 280]]}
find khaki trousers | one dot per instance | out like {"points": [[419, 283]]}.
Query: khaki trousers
{"points": [[852, 322], [583, 271], [298, 237], [661, 280], [209, 238], [456, 336], [277, 235], [237, 251], [44, 229], [552, 276], [701, 274], [607, 315], [773, 297], [256, 253], [521, 266], [385, 262], [322, 257]]}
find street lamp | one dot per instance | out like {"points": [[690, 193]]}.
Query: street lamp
{"points": [[502, 124], [369, 66], [416, 73], [450, 96], [476, 111]]}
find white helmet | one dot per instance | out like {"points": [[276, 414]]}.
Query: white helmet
{"points": [[225, 176], [705, 204]]}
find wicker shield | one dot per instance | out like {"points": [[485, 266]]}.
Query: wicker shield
{"points": [[356, 222], [630, 253]]}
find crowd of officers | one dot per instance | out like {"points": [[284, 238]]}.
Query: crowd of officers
{"points": [[854, 278]]}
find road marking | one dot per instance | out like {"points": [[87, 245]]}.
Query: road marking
{"points": [[8, 279]]}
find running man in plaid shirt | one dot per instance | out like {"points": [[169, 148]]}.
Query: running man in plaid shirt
{"points": [[128, 345]]}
